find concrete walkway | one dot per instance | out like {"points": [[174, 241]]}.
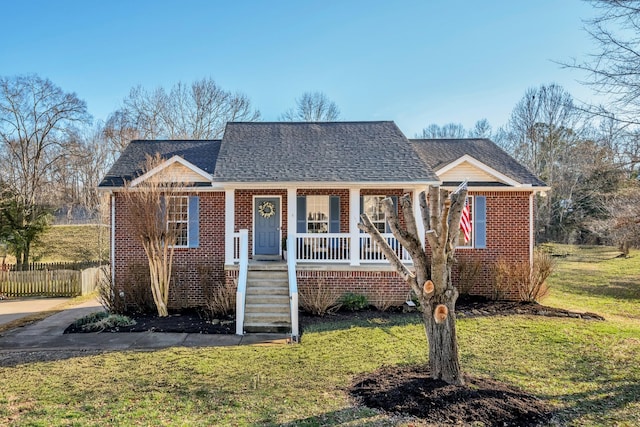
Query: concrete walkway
{"points": [[17, 308], [48, 334]]}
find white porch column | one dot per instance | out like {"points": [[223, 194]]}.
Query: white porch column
{"points": [[354, 219], [292, 214], [229, 225], [418, 214]]}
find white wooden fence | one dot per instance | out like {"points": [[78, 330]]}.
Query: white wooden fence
{"points": [[50, 283]]}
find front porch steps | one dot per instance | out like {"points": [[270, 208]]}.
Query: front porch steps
{"points": [[267, 299]]}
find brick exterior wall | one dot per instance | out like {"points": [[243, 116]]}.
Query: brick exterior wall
{"points": [[507, 238], [187, 287], [379, 287]]}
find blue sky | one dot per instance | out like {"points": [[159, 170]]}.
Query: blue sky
{"points": [[414, 62]]}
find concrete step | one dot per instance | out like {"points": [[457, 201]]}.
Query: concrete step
{"points": [[266, 290], [267, 274], [268, 308], [274, 318], [267, 299], [267, 282], [267, 328]]}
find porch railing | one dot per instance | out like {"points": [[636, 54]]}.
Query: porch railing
{"points": [[371, 252], [322, 247], [335, 247], [241, 291], [236, 247], [293, 293]]}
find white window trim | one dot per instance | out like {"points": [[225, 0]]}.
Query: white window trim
{"points": [[472, 242], [185, 222]]}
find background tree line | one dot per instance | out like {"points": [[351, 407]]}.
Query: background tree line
{"points": [[52, 155]]}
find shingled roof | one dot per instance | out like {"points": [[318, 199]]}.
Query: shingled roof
{"points": [[437, 153], [129, 165], [318, 152]]}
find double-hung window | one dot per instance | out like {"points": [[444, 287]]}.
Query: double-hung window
{"points": [[178, 219], [371, 206], [318, 214], [462, 242], [478, 220]]}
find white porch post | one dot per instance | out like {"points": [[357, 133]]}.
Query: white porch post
{"points": [[229, 225], [354, 219], [418, 214], [292, 215]]}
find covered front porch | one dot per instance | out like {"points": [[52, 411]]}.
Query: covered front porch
{"points": [[323, 234]]}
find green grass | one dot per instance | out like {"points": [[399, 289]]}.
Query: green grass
{"points": [[589, 370], [71, 243]]}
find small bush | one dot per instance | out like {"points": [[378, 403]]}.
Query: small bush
{"points": [[91, 318], [529, 283], [383, 303], [354, 302], [219, 300], [318, 298], [97, 322], [468, 273]]}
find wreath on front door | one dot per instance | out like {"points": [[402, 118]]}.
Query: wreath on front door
{"points": [[266, 209]]}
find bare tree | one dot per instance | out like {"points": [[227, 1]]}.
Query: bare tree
{"points": [[431, 282], [312, 107], [199, 110], [543, 127], [37, 124], [450, 130], [482, 129], [151, 204], [622, 226], [613, 69]]}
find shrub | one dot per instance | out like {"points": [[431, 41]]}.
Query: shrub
{"points": [[529, 283], [468, 272], [318, 298], [383, 303], [354, 302], [219, 297], [97, 322], [135, 294]]}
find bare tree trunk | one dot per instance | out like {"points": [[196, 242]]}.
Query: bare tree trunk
{"points": [[437, 295]]}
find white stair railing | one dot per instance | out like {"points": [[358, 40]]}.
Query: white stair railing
{"points": [[241, 292], [293, 289]]}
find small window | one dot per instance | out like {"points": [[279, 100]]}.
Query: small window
{"points": [[317, 214], [462, 242], [373, 208], [178, 219]]}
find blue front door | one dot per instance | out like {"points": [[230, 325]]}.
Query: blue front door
{"points": [[267, 225]]}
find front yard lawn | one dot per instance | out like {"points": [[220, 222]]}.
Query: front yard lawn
{"points": [[589, 370]]}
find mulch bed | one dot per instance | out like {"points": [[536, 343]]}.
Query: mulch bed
{"points": [[187, 321], [409, 390], [190, 321]]}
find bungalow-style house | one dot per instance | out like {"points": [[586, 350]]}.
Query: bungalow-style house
{"points": [[267, 187]]}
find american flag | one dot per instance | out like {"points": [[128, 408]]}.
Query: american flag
{"points": [[465, 222]]}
